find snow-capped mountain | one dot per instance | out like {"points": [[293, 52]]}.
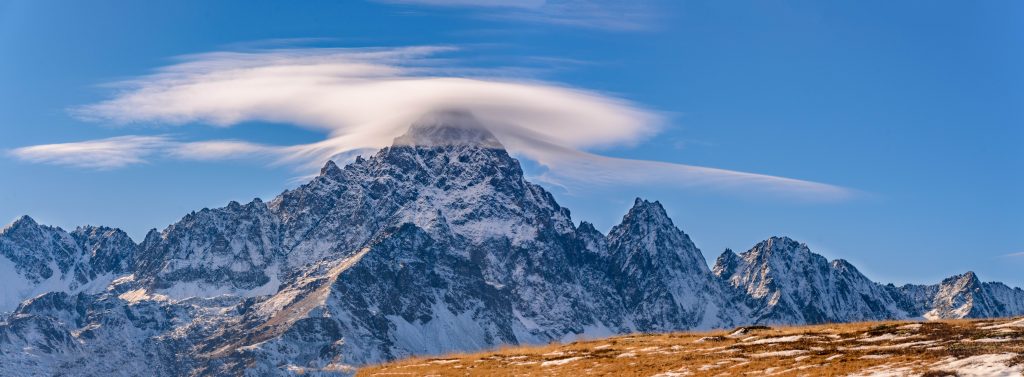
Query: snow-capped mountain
{"points": [[436, 244], [663, 279], [784, 282], [35, 259], [964, 296]]}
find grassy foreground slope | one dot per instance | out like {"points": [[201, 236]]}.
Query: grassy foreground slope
{"points": [[939, 348]]}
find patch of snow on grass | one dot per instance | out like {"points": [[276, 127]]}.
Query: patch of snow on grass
{"points": [[912, 326], [884, 337], [784, 339], [560, 361], [875, 357], [738, 333], [884, 371], [444, 361], [992, 365], [778, 353], [890, 347], [1017, 323], [676, 373], [992, 340]]}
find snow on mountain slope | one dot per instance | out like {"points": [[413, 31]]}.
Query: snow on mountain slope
{"points": [[474, 185], [35, 259], [436, 244], [665, 281], [785, 282], [230, 250], [965, 296]]}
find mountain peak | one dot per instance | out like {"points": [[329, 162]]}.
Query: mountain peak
{"points": [[778, 249], [647, 211], [967, 279], [448, 128], [726, 263], [587, 227], [330, 168], [782, 240], [777, 244], [25, 220], [22, 221]]}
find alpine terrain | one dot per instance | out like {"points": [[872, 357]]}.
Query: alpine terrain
{"points": [[436, 244]]}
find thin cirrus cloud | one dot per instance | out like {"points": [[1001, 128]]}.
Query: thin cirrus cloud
{"points": [[115, 152], [122, 151], [615, 15], [363, 98]]}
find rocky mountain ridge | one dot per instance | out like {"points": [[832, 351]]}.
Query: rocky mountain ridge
{"points": [[436, 244]]}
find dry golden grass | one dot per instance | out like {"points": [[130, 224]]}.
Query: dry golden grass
{"points": [[938, 348]]}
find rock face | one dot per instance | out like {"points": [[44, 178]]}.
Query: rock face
{"points": [[230, 250], [965, 296], [436, 244], [35, 259], [784, 282], [662, 278]]}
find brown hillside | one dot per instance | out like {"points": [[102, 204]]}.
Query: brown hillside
{"points": [[964, 348]]}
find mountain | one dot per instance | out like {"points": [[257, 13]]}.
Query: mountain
{"points": [[785, 283], [36, 259], [964, 296], [662, 278], [436, 244]]}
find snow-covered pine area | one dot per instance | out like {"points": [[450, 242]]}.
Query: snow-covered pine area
{"points": [[437, 244]]}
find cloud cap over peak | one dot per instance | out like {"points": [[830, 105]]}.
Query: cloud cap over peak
{"points": [[364, 98]]}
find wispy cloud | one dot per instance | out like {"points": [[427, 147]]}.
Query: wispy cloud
{"points": [[222, 150], [621, 15], [1020, 254], [574, 168], [109, 153], [122, 151], [364, 98]]}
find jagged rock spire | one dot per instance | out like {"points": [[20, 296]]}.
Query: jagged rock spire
{"points": [[726, 263], [330, 168]]}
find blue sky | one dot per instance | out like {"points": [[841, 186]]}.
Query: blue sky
{"points": [[912, 109]]}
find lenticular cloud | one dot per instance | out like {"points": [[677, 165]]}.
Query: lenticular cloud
{"points": [[363, 98]]}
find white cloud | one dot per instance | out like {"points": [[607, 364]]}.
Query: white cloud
{"points": [[222, 150], [574, 167], [122, 151], [109, 153], [363, 98], [1021, 254]]}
